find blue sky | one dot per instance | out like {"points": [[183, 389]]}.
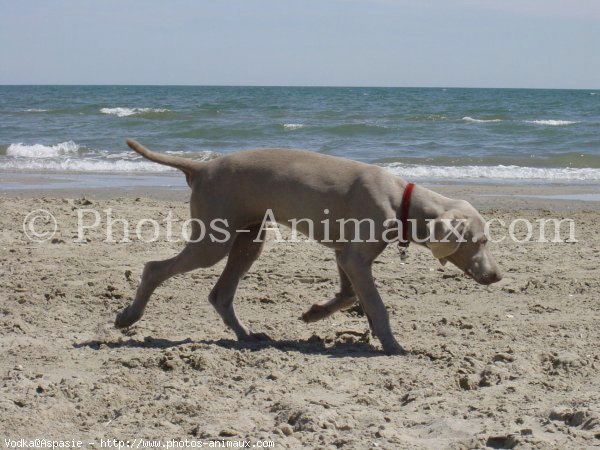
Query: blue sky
{"points": [[499, 43]]}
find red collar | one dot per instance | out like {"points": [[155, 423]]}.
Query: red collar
{"points": [[404, 208]]}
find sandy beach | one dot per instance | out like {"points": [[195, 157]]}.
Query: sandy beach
{"points": [[110, 111], [512, 365]]}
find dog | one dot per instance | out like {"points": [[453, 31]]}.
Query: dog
{"points": [[292, 184]]}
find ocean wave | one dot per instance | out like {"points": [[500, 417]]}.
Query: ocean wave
{"points": [[550, 160], [124, 112], [67, 157], [126, 162], [35, 110], [42, 151], [553, 123], [472, 120], [426, 117], [222, 132], [205, 155], [352, 129], [293, 126], [500, 172], [83, 165]]}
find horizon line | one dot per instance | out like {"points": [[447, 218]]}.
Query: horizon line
{"points": [[294, 86]]}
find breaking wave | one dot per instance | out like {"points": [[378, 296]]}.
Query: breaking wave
{"points": [[552, 123], [293, 126], [68, 157], [500, 172], [472, 120], [124, 112], [83, 165], [42, 151]]}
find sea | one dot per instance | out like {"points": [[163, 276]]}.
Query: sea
{"points": [[437, 134]]}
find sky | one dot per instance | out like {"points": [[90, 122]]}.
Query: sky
{"points": [[459, 43]]}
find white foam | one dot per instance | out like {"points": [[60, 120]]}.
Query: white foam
{"points": [[83, 165], [205, 155], [500, 172], [293, 126], [35, 110], [472, 120], [552, 123], [63, 157], [124, 112], [42, 151]]}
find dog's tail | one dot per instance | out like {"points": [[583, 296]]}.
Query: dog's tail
{"points": [[187, 166]]}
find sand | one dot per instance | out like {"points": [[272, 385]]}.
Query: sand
{"points": [[512, 365]]}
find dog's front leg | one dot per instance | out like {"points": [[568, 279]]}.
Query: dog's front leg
{"points": [[358, 270]]}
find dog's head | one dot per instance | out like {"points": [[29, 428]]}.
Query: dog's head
{"points": [[458, 236]]}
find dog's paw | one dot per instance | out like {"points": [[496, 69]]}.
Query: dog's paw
{"points": [[393, 349], [126, 318], [256, 337], [261, 337], [316, 312]]}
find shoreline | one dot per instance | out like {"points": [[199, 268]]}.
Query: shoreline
{"points": [[172, 187]]}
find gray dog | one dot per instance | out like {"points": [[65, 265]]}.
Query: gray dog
{"points": [[295, 184]]}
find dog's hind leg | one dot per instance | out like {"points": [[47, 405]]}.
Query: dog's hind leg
{"points": [[193, 256], [345, 298], [243, 253]]}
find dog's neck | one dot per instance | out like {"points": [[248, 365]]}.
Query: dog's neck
{"points": [[425, 206]]}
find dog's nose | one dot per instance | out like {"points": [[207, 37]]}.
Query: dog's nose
{"points": [[494, 277], [490, 278]]}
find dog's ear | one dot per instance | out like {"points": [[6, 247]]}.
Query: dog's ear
{"points": [[446, 232]]}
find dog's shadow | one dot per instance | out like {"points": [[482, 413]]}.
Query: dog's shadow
{"points": [[310, 346]]}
